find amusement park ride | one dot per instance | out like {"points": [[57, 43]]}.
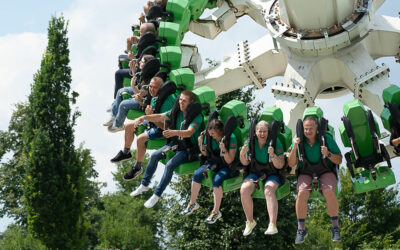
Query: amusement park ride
{"points": [[322, 48]]}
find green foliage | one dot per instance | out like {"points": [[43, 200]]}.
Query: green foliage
{"points": [[17, 237], [55, 184], [12, 171]]}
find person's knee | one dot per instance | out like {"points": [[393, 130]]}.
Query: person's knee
{"points": [[303, 195], [142, 138], [329, 193], [269, 191], [246, 188]]}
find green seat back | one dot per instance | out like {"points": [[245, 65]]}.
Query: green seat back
{"points": [[389, 95], [318, 113], [355, 111], [197, 8], [171, 55], [179, 8], [205, 96], [171, 33], [182, 76], [237, 108], [126, 82], [275, 114]]}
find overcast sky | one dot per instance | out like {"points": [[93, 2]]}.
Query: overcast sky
{"points": [[97, 33]]}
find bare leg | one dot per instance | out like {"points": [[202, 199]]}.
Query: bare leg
{"points": [[217, 197], [272, 203], [301, 203], [194, 191], [247, 202], [331, 202], [141, 147], [129, 134]]}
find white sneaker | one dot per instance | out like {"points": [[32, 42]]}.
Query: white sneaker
{"points": [[140, 190], [113, 129], [152, 201], [110, 122], [271, 229], [249, 227]]}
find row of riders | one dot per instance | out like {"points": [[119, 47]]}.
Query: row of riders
{"points": [[178, 119]]}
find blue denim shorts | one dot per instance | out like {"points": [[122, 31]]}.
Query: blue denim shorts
{"points": [[274, 178], [154, 133]]}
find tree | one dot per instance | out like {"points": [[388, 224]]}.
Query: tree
{"points": [[55, 183]]}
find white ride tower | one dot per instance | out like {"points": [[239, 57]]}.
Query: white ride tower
{"points": [[322, 48]]}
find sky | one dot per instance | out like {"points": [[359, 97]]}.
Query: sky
{"points": [[97, 34]]}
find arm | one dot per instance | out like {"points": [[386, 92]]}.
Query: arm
{"points": [[152, 118], [228, 156], [181, 133], [292, 158], [395, 142], [277, 160], [200, 140], [334, 158]]}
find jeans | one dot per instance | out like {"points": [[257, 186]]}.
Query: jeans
{"points": [[219, 177], [273, 177], [179, 158], [121, 107], [119, 78]]}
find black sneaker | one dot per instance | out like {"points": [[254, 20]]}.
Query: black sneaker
{"points": [[133, 173], [121, 157], [336, 235], [301, 236]]}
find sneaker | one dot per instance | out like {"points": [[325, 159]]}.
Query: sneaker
{"points": [[152, 201], [121, 156], [271, 229], [140, 190], [191, 208], [249, 227], [114, 129], [214, 216], [300, 236], [133, 173], [336, 235], [109, 122]]}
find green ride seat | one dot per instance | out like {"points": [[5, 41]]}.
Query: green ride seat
{"points": [[275, 114], [184, 79], [133, 114], [171, 56], [179, 9], [280, 193], [126, 82], [227, 185], [389, 95], [151, 144], [171, 33], [206, 97], [197, 8], [360, 131], [237, 109]]}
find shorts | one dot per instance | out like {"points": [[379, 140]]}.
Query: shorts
{"points": [[274, 178], [154, 133], [326, 181]]}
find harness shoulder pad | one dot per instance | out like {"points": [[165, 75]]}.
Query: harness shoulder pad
{"points": [[229, 127]]}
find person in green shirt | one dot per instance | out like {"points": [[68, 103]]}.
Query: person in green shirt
{"points": [[181, 137], [155, 131], [218, 158], [261, 168], [328, 182]]}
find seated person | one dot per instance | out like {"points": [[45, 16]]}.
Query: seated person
{"points": [[312, 165], [121, 107], [154, 132], [183, 140], [219, 156], [261, 168], [144, 28], [148, 5]]}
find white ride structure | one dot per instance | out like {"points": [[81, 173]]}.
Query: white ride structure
{"points": [[322, 48]]}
